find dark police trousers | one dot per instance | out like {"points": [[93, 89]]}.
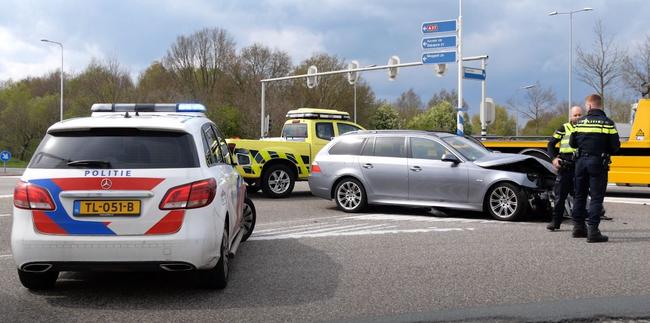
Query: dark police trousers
{"points": [[563, 187], [590, 180]]}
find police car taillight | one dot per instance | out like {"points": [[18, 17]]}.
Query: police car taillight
{"points": [[315, 168], [32, 197], [190, 196]]}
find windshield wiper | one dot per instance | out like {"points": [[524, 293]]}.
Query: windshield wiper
{"points": [[90, 162]]}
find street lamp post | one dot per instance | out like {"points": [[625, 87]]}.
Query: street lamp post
{"points": [[525, 87], [570, 13], [61, 76]]}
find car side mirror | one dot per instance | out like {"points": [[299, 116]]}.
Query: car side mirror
{"points": [[450, 158], [243, 159]]}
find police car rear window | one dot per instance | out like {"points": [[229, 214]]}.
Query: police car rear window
{"points": [[117, 149]]}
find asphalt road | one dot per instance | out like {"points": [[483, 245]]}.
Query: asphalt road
{"points": [[307, 261]]}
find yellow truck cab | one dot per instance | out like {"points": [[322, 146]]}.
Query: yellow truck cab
{"points": [[275, 164], [630, 165]]}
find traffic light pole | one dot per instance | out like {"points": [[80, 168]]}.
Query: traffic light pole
{"points": [[459, 114], [361, 69]]}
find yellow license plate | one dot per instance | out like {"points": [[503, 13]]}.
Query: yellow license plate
{"points": [[107, 208]]}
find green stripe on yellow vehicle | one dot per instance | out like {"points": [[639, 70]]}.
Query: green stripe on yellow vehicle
{"points": [[275, 164]]}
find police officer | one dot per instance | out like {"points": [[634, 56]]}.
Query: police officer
{"points": [[596, 139], [563, 162]]}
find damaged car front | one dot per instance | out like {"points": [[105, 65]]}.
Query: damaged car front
{"points": [[501, 183]]}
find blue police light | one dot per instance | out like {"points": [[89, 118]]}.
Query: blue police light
{"points": [[190, 107]]}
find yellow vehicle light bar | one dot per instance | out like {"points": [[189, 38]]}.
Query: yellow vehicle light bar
{"points": [[318, 114]]}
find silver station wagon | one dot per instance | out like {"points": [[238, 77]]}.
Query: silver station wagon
{"points": [[429, 169]]}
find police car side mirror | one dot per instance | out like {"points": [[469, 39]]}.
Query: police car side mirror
{"points": [[243, 159]]}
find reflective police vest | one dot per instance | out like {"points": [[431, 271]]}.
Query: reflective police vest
{"points": [[565, 136]]}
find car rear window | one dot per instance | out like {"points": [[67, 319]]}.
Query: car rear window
{"points": [[294, 130], [347, 146], [118, 148]]}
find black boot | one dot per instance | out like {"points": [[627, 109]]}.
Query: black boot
{"points": [[594, 234], [555, 224], [579, 230]]}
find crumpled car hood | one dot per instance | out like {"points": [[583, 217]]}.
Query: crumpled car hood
{"points": [[515, 163]]}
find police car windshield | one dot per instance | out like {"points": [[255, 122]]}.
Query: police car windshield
{"points": [[468, 148], [116, 149], [294, 130]]}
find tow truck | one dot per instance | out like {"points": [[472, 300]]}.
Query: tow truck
{"points": [[275, 164], [629, 167]]}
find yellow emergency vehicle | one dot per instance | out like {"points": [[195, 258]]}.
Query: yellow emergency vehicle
{"points": [[275, 164], [630, 166]]}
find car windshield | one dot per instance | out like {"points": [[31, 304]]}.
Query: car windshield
{"points": [[116, 148], [294, 130], [469, 149]]}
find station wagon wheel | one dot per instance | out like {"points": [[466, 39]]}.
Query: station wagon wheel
{"points": [[350, 196], [278, 181], [249, 218], [506, 201]]}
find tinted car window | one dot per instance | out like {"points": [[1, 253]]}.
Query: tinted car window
{"points": [[369, 147], [390, 147], [324, 131], [294, 130], [347, 146], [345, 128], [212, 151], [119, 148], [426, 149]]}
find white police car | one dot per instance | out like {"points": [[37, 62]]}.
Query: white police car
{"points": [[133, 187]]}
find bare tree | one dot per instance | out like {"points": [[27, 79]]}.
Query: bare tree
{"points": [[538, 101], [199, 61], [408, 104], [636, 70], [601, 66]]}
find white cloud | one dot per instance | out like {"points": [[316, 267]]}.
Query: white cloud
{"points": [[300, 43]]}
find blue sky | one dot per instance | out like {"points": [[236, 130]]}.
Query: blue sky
{"points": [[525, 45]]}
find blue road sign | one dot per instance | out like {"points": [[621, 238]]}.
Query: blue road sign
{"points": [[443, 26], [473, 73], [438, 42], [439, 57], [5, 155]]}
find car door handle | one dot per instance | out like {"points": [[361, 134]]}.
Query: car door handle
{"points": [[416, 168], [368, 166]]}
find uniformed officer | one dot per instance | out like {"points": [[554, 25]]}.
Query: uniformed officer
{"points": [[563, 162], [596, 139]]}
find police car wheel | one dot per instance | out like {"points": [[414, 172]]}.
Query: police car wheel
{"points": [[350, 196], [38, 281], [506, 201], [217, 277], [278, 181], [249, 218]]}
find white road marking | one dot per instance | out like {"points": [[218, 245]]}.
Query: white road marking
{"points": [[301, 220], [11, 176], [5, 215], [358, 233], [391, 217], [298, 228], [6, 196], [627, 200], [5, 256]]}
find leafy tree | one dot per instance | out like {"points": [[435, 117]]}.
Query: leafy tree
{"points": [[385, 117], [441, 117], [446, 96], [504, 124]]}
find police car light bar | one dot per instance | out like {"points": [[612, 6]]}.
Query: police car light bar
{"points": [[157, 107]]}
